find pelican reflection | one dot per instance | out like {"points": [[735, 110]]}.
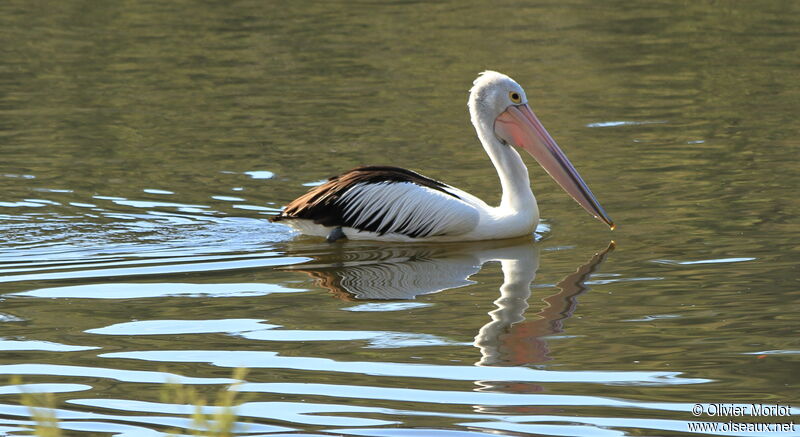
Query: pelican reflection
{"points": [[366, 272]]}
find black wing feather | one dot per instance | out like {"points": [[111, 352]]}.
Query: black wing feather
{"points": [[321, 204]]}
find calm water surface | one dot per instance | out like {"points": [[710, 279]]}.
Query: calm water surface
{"points": [[145, 145]]}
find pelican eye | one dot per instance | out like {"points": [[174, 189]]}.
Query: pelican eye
{"points": [[515, 97]]}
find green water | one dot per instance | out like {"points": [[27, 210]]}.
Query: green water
{"points": [[145, 144]]}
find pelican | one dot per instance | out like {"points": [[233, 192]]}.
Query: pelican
{"points": [[395, 204]]}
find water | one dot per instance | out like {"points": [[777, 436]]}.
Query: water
{"points": [[145, 145]]}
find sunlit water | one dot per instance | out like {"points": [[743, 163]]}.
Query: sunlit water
{"points": [[144, 148]]}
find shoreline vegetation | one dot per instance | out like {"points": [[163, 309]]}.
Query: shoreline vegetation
{"points": [[215, 417]]}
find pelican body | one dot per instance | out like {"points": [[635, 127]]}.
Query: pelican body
{"points": [[395, 204]]}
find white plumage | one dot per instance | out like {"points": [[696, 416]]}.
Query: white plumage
{"points": [[407, 207]]}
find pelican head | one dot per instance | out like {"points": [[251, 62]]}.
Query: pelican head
{"points": [[499, 110]]}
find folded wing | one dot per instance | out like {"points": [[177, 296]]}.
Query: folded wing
{"points": [[386, 200]]}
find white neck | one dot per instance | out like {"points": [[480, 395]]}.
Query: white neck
{"points": [[514, 179]]}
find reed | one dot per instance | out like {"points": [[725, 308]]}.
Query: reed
{"points": [[221, 421], [42, 408]]}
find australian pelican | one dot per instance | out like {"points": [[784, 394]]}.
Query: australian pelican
{"points": [[395, 204]]}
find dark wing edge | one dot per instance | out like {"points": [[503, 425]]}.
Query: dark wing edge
{"points": [[321, 204]]}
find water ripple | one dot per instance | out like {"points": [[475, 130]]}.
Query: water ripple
{"points": [[293, 412], [267, 359], [226, 263], [454, 397], [150, 290], [37, 345], [123, 375]]}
